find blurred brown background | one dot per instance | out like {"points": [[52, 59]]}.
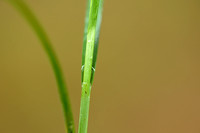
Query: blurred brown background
{"points": [[147, 77]]}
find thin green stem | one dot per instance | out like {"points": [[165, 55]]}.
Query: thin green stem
{"points": [[88, 56], [62, 88]]}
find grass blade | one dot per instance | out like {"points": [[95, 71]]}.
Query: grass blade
{"points": [[62, 88], [90, 48], [96, 42]]}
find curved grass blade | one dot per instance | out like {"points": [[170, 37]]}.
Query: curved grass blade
{"points": [[89, 56], [32, 20]]}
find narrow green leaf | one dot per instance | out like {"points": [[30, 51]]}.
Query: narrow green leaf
{"points": [[90, 48], [62, 88], [96, 43]]}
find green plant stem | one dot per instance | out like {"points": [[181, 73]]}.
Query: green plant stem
{"points": [[87, 72], [32, 20]]}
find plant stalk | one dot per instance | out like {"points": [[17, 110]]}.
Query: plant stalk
{"points": [[88, 62]]}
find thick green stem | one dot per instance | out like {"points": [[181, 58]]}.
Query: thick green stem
{"points": [[32, 20], [88, 62]]}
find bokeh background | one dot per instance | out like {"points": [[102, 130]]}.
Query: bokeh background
{"points": [[147, 77]]}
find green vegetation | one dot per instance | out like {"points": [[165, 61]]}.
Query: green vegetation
{"points": [[90, 48], [89, 56]]}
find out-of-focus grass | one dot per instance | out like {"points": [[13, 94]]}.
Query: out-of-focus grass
{"points": [[62, 88]]}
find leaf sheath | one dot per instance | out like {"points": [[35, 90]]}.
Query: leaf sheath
{"points": [[89, 56]]}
